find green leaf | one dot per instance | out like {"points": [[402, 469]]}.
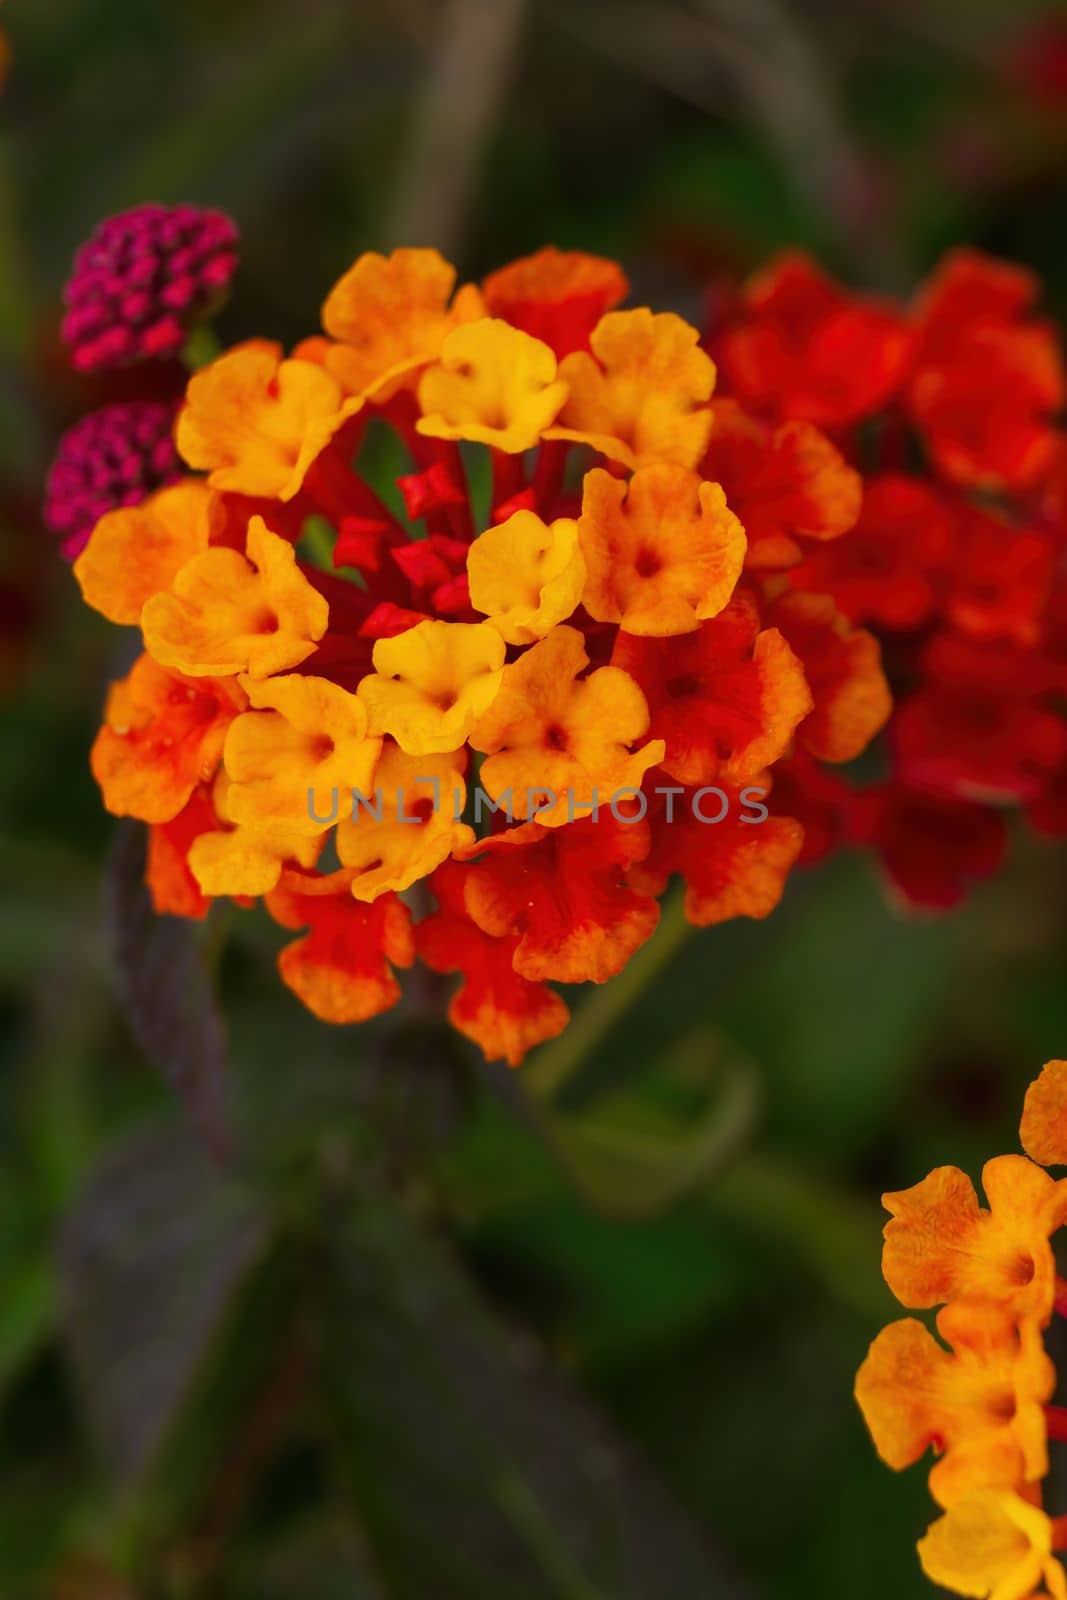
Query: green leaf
{"points": [[845, 995], [27, 1311], [476, 1470]]}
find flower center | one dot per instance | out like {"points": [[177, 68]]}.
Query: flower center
{"points": [[1023, 1270], [264, 621], [682, 687]]}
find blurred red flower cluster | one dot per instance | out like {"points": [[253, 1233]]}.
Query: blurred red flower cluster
{"points": [[949, 409]]}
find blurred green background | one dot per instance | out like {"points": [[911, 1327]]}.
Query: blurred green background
{"points": [[424, 1336]]}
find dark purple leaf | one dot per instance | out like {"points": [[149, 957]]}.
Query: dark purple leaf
{"points": [[166, 991], [477, 1470], [156, 1253]]}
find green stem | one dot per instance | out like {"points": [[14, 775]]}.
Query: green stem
{"points": [[201, 347], [827, 1229], [527, 1516], [550, 1068]]}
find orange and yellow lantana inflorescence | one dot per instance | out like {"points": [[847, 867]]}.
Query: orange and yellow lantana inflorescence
{"points": [[979, 1393], [511, 700]]}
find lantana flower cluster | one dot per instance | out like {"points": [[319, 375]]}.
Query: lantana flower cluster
{"points": [[979, 1394], [481, 721], [950, 409]]}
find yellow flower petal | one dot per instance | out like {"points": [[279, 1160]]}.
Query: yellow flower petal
{"points": [[229, 613], [992, 1545], [236, 860], [256, 423], [432, 682], [526, 575], [494, 385], [408, 826], [294, 760]]}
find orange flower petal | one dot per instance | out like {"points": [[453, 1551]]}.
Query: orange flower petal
{"points": [[843, 666], [504, 1013], [247, 861], [801, 347], [942, 1245], [662, 552], [342, 969], [725, 700], [967, 287], [561, 892], [641, 396], [163, 734], [256, 423], [135, 552], [392, 314], [732, 868], [231, 859], [168, 875], [1044, 1122], [979, 1405], [554, 741], [557, 296], [986, 378], [986, 414], [787, 485], [887, 570]]}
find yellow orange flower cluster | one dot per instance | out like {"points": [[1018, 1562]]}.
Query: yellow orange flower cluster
{"points": [[546, 673], [979, 1394]]}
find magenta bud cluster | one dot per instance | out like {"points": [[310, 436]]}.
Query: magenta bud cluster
{"points": [[113, 457], [142, 279]]}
